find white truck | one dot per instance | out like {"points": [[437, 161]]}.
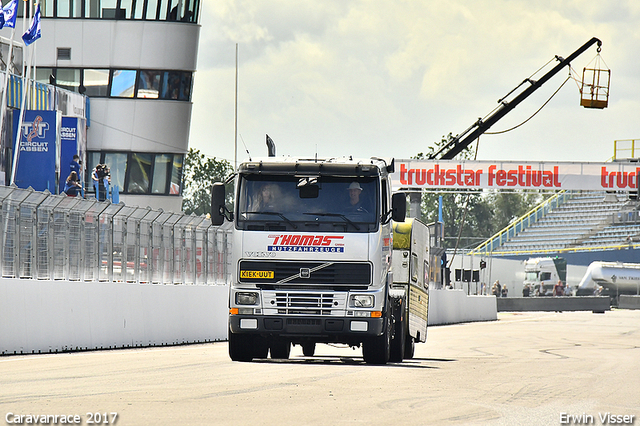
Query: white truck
{"points": [[541, 274], [312, 253], [416, 267], [610, 279]]}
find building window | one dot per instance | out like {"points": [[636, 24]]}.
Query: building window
{"points": [[96, 82], [153, 10], [45, 75], [176, 175], [138, 11], [176, 85], [139, 173], [68, 78], [93, 159], [91, 8], [161, 173], [117, 163], [123, 83], [149, 84]]}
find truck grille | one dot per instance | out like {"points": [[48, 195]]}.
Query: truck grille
{"points": [[302, 303], [296, 303], [280, 274]]}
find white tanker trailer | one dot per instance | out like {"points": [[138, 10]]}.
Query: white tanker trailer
{"points": [[610, 279]]}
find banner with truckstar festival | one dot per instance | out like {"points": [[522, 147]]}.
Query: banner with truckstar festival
{"points": [[618, 176]]}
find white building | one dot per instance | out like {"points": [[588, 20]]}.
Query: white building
{"points": [[135, 60]]}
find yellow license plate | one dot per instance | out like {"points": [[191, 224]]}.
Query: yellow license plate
{"points": [[257, 274]]}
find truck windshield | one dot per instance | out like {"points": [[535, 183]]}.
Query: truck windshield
{"points": [[322, 204], [531, 276]]}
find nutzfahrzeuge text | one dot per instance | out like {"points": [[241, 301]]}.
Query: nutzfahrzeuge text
{"points": [[601, 418]]}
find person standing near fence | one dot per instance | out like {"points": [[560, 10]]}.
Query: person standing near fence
{"points": [[100, 178], [72, 186]]}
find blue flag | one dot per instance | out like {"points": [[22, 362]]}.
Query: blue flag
{"points": [[10, 12], [33, 33]]}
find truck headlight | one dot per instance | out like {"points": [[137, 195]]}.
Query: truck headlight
{"points": [[246, 298], [361, 301]]}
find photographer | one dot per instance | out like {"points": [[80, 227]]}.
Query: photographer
{"points": [[101, 176]]}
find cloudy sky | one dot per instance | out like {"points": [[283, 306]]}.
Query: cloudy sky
{"points": [[389, 78]]}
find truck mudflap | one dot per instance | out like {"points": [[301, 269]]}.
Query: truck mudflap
{"points": [[320, 329]]}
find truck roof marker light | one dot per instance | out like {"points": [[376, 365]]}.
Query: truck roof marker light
{"points": [[376, 314], [233, 311]]}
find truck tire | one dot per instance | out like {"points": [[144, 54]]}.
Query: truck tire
{"points": [[240, 347], [399, 333], [409, 347], [280, 349], [377, 350], [308, 349]]}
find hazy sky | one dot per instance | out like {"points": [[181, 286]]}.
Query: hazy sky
{"points": [[388, 78]]}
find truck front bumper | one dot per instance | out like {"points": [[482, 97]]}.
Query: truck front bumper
{"points": [[327, 329]]}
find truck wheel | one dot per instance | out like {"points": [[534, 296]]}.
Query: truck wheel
{"points": [[240, 347], [308, 349], [377, 350], [409, 347], [398, 341], [280, 349]]}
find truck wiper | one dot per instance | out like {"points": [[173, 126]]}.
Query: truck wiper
{"points": [[275, 214], [346, 219]]}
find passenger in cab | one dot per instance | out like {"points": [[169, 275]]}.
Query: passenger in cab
{"points": [[355, 203]]}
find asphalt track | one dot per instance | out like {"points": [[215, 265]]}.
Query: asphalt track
{"points": [[524, 369]]}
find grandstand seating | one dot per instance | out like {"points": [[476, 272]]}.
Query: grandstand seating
{"points": [[587, 220]]}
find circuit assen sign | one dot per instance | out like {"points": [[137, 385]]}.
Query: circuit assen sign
{"points": [[617, 176]]}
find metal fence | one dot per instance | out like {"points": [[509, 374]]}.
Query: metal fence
{"points": [[56, 237], [626, 217]]}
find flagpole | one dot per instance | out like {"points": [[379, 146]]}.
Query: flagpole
{"points": [[25, 86], [3, 110], [3, 106], [34, 93]]}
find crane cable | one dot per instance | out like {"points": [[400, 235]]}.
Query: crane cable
{"points": [[534, 114], [466, 205]]}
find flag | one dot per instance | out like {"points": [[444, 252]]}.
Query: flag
{"points": [[10, 12], [33, 33]]}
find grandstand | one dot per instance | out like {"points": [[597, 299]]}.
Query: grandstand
{"points": [[583, 220]]}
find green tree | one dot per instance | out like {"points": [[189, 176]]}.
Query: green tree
{"points": [[510, 205], [198, 176]]}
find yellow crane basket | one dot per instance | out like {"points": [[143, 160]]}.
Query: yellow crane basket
{"points": [[594, 92]]}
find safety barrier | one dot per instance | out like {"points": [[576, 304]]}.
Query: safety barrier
{"points": [[56, 237], [596, 304]]}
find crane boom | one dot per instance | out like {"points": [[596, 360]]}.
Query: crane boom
{"points": [[460, 142]]}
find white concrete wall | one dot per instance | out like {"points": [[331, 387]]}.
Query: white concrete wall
{"points": [[52, 316], [454, 306]]}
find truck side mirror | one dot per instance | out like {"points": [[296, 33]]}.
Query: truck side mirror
{"points": [[217, 204], [398, 207]]}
